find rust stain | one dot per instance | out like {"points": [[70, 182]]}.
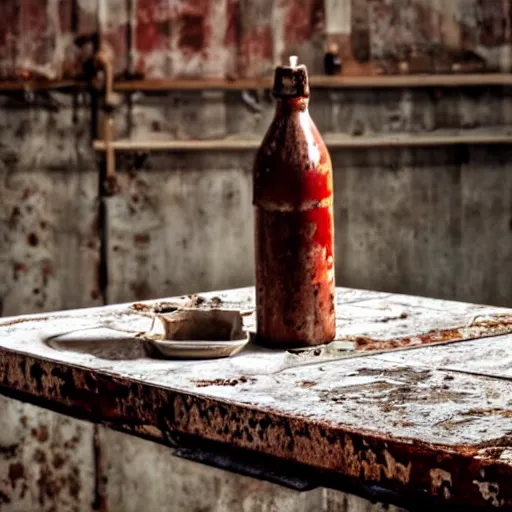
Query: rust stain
{"points": [[192, 36], [506, 413], [137, 306], [495, 322], [95, 294], [495, 325], [152, 25], [141, 240], [189, 301], [16, 472], [141, 290], [58, 460], [224, 382], [388, 461], [17, 321], [307, 384], [46, 268], [41, 433], [39, 456], [9, 451], [4, 498], [18, 267], [32, 240], [216, 301], [196, 300]]}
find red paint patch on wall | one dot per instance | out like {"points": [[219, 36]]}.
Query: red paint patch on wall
{"points": [[194, 28], [33, 15], [198, 38], [256, 50], [232, 37], [66, 13], [9, 20], [302, 20], [34, 34], [192, 35], [9, 30], [152, 25], [44, 46], [493, 22], [233, 23], [152, 36]]}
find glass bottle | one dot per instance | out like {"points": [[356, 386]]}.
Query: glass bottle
{"points": [[292, 196]]}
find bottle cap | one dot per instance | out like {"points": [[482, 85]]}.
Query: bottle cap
{"points": [[291, 81]]}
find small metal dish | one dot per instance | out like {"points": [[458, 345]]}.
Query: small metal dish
{"points": [[195, 334]]}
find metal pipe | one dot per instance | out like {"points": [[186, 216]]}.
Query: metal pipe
{"points": [[104, 61]]}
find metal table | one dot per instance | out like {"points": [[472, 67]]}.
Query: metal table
{"points": [[412, 403]]}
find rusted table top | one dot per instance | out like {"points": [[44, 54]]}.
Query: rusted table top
{"points": [[414, 397]]}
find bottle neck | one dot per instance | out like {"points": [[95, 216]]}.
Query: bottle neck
{"points": [[288, 105]]}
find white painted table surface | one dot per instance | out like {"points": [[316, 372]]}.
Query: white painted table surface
{"points": [[415, 395]]}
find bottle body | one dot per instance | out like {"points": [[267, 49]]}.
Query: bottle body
{"points": [[294, 232]]}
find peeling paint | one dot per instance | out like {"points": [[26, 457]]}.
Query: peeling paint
{"points": [[218, 38], [490, 492], [441, 482], [32, 265], [51, 467]]}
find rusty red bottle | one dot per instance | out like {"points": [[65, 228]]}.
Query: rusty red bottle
{"points": [[292, 179]]}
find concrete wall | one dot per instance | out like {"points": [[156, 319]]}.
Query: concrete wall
{"points": [[53, 463], [427, 221], [49, 243]]}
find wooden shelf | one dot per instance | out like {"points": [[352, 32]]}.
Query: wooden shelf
{"points": [[333, 142], [321, 82], [39, 85], [326, 82]]}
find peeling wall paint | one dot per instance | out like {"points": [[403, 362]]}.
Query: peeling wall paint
{"points": [[49, 236], [46, 460], [219, 38], [37, 36]]}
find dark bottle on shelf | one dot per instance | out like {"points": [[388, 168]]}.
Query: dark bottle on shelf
{"points": [[332, 60], [293, 222]]}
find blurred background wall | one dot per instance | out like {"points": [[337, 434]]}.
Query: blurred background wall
{"points": [[432, 220], [431, 215]]}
